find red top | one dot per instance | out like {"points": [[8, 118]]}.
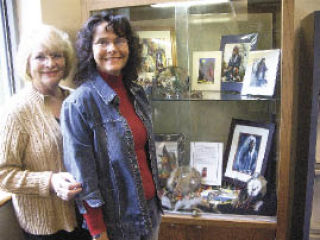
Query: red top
{"points": [[94, 216]]}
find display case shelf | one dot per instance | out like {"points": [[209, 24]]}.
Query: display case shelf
{"points": [[212, 96], [205, 115]]}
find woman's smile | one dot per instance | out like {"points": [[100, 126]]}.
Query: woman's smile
{"points": [[110, 52]]}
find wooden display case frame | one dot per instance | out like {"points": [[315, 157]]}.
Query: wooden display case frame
{"points": [[242, 227]]}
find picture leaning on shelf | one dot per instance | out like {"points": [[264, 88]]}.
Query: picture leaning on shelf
{"points": [[169, 153], [261, 73], [235, 50], [247, 150], [157, 54], [206, 72], [246, 157]]}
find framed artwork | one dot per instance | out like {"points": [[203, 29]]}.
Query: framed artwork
{"points": [[169, 152], [206, 71], [158, 53], [207, 158], [247, 150], [235, 49], [261, 73]]}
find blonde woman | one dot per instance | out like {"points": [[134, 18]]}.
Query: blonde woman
{"points": [[31, 166]]}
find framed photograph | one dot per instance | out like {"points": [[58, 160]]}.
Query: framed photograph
{"points": [[261, 73], [169, 152], [207, 158], [206, 71], [235, 49], [158, 53], [247, 150]]}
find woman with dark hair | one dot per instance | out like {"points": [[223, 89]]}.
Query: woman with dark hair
{"points": [[107, 133]]}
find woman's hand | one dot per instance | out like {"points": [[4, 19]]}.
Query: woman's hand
{"points": [[64, 185], [103, 236]]}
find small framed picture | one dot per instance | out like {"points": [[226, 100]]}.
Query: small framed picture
{"points": [[235, 49], [206, 71], [158, 53], [207, 158], [169, 152], [247, 150], [261, 73]]}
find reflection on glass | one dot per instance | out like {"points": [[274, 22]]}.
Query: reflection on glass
{"points": [[170, 35]]}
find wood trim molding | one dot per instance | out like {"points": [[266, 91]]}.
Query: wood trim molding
{"points": [[84, 10], [222, 220], [285, 167], [106, 4]]}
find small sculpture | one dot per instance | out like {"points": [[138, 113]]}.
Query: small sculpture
{"points": [[252, 195], [183, 181]]}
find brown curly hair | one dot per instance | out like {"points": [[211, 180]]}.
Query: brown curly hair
{"points": [[120, 25]]}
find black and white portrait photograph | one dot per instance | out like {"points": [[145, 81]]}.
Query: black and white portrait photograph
{"points": [[261, 73], [247, 150]]}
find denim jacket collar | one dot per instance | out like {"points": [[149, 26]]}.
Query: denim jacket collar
{"points": [[105, 91], [102, 88]]}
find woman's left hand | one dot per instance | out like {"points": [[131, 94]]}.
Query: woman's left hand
{"points": [[64, 185]]}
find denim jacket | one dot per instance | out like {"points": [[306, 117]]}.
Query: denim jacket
{"points": [[99, 153]]}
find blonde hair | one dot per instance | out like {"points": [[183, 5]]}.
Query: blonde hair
{"points": [[50, 38]]}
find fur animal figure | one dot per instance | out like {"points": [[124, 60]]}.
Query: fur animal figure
{"points": [[252, 195], [184, 180]]}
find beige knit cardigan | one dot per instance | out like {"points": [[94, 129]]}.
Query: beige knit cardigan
{"points": [[30, 151]]}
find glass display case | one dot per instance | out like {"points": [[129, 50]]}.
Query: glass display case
{"points": [[213, 72]]}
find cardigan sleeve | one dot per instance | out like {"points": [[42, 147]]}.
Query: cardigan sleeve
{"points": [[13, 177]]}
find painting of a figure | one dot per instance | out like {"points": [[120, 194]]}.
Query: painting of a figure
{"points": [[234, 61], [236, 50], [153, 55], [157, 54], [167, 158], [206, 70], [261, 73], [258, 74], [246, 156], [247, 150], [232, 70], [169, 149]]}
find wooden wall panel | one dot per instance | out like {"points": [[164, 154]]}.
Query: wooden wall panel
{"points": [[169, 231]]}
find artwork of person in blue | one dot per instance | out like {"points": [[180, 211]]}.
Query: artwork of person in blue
{"points": [[246, 157], [259, 69], [232, 71]]}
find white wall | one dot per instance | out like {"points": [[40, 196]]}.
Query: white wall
{"points": [[28, 13], [64, 14]]}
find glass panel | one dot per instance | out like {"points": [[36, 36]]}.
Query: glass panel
{"points": [[5, 88], [6, 71], [216, 143]]}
